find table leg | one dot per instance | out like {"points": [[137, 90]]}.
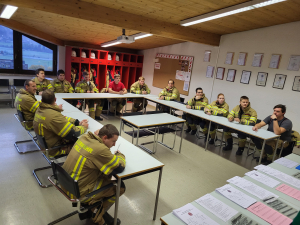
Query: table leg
{"points": [[207, 135], [137, 136], [117, 200], [221, 140], [143, 110], [156, 138], [83, 105], [156, 107], [120, 127], [274, 154], [125, 106], [262, 152], [181, 137], [157, 194]]}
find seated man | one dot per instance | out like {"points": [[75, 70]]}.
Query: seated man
{"points": [[91, 153], [116, 87], [278, 124], [199, 102], [87, 86], [243, 114], [41, 83], [216, 108], [27, 103], [55, 127], [169, 93], [139, 87], [60, 84]]}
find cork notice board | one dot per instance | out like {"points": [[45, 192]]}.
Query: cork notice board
{"points": [[166, 68]]}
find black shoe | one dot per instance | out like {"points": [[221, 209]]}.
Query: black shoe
{"points": [[119, 114], [263, 160], [211, 142], [111, 113], [227, 148], [193, 132], [239, 151], [98, 118], [109, 220], [188, 129], [86, 215]]}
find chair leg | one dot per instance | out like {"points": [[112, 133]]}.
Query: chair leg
{"points": [[63, 218], [38, 179], [25, 141]]}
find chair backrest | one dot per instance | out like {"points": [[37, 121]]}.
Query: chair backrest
{"points": [[258, 121], [181, 99], [42, 142], [19, 82], [20, 115], [4, 82], [133, 114], [153, 112], [65, 180]]}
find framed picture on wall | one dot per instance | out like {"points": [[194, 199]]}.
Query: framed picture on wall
{"points": [[294, 63], [220, 73], [296, 84], [210, 71], [257, 59], [231, 75], [242, 59], [229, 58], [245, 78], [261, 79], [207, 55], [275, 60], [279, 81]]}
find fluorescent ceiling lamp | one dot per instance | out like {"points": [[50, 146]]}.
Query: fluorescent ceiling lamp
{"points": [[8, 11], [228, 11], [136, 36], [111, 43], [141, 35]]}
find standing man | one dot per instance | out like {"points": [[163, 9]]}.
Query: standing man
{"points": [[60, 84], [91, 153], [27, 103], [87, 86], [278, 124], [40, 81], [199, 102], [243, 114], [116, 87], [139, 87], [55, 127], [169, 93]]}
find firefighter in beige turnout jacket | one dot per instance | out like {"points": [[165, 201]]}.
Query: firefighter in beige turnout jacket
{"points": [[56, 128], [169, 93], [242, 114], [216, 108], [60, 84], [27, 103], [41, 83], [199, 102], [139, 87], [91, 153]]}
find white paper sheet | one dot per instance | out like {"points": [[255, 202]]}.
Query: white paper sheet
{"points": [[193, 216], [187, 76], [217, 207], [236, 196], [186, 85], [279, 175], [251, 188], [179, 75], [262, 178], [286, 162]]}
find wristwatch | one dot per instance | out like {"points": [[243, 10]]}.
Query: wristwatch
{"points": [[275, 119]]}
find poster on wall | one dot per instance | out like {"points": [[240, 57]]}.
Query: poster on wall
{"points": [[257, 59], [220, 73], [296, 84], [157, 66], [242, 59], [275, 59], [231, 75], [245, 78], [229, 58], [294, 63], [279, 81], [207, 54], [261, 79], [210, 71]]}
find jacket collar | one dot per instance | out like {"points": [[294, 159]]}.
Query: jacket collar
{"points": [[48, 106], [23, 91], [37, 81], [93, 136], [58, 81]]}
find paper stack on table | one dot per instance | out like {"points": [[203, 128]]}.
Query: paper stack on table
{"points": [[262, 178], [286, 162]]}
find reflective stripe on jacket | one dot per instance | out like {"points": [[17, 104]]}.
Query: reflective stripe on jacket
{"points": [[198, 103], [170, 94], [41, 86], [136, 88], [62, 87], [218, 110], [248, 116], [83, 87]]}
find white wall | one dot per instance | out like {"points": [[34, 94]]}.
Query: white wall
{"points": [[61, 57], [280, 39]]}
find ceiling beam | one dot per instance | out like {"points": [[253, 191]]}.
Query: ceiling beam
{"points": [[15, 25], [101, 14]]}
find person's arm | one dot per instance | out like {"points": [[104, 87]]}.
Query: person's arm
{"points": [[134, 91], [259, 125], [124, 90], [208, 109], [174, 95], [112, 92], [78, 88], [49, 86], [252, 120], [71, 89], [29, 104], [94, 88], [163, 93], [279, 130], [147, 89], [233, 114]]}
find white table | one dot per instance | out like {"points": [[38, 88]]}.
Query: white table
{"points": [[67, 107]]}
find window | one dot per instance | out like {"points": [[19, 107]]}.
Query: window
{"points": [[6, 48]]}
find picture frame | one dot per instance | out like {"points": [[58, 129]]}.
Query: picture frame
{"points": [[231, 75], [207, 55], [229, 58], [245, 77], [242, 59], [210, 71], [275, 60], [296, 84], [294, 63], [257, 59], [261, 79], [279, 81], [220, 73]]}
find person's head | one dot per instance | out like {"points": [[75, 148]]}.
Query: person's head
{"points": [[221, 98], [279, 110], [48, 97], [141, 81], [30, 86], [61, 75], [109, 135], [117, 78], [199, 92], [244, 101], [86, 76], [171, 83], [40, 73]]}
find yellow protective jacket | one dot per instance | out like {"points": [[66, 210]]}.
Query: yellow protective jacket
{"points": [[26, 103], [62, 87], [296, 137], [217, 109], [55, 127], [170, 94], [41, 86], [247, 116], [83, 87], [199, 104], [136, 88], [91, 163]]}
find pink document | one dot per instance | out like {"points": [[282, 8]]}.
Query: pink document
{"points": [[268, 214], [294, 193]]}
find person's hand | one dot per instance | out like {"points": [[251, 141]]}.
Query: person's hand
{"points": [[60, 106], [40, 93], [82, 121], [208, 112], [254, 128], [230, 119], [96, 132], [121, 93], [88, 91], [237, 119], [188, 106], [85, 124], [197, 97], [91, 91], [273, 117], [161, 97], [144, 92], [117, 152]]}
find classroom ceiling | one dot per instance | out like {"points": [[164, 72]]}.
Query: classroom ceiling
{"points": [[98, 21]]}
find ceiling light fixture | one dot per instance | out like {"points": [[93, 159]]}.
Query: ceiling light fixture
{"points": [[110, 43], [8, 11], [228, 11], [141, 35]]}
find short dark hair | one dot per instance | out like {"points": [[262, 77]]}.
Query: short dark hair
{"points": [[109, 130], [172, 81], [244, 97], [283, 107], [27, 83], [60, 72], [48, 96], [39, 70], [199, 88], [85, 73]]}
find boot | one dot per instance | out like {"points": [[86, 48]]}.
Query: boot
{"points": [[228, 147], [109, 220], [188, 129], [212, 141], [240, 151], [98, 118], [194, 132]]}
